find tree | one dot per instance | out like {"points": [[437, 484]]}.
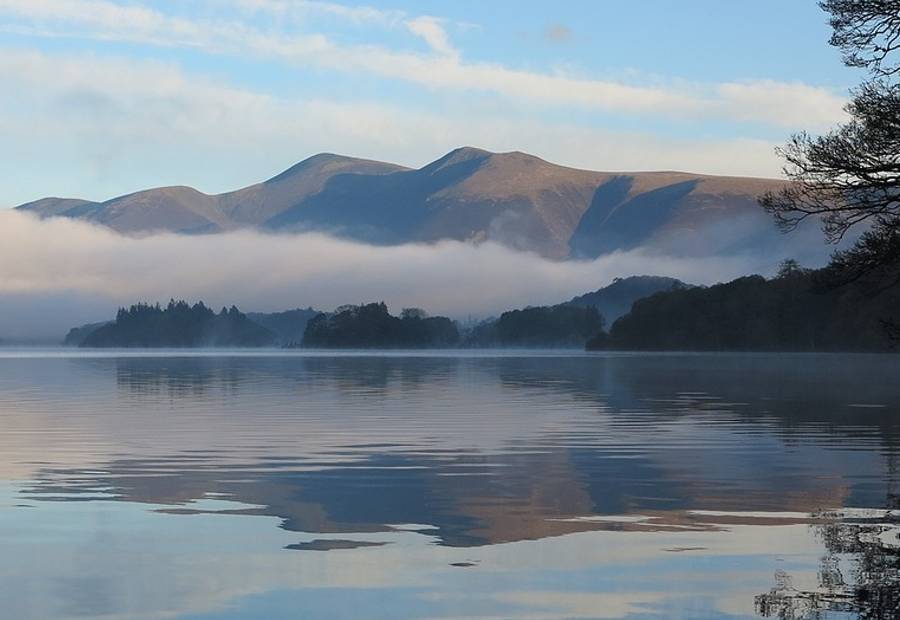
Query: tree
{"points": [[372, 326], [413, 314], [789, 268], [178, 325], [867, 32], [563, 325], [851, 175]]}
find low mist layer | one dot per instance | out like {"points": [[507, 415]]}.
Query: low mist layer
{"points": [[58, 273]]}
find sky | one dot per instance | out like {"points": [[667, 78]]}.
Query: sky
{"points": [[103, 97]]}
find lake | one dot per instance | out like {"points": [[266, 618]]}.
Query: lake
{"points": [[521, 485]]}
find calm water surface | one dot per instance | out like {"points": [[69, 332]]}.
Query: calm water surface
{"points": [[520, 486]]}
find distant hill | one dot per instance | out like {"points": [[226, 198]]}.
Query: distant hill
{"points": [[179, 325], [77, 335], [472, 195], [288, 326], [616, 299]]}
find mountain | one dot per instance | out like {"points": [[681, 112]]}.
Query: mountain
{"points": [[186, 210], [48, 207], [617, 298], [472, 195], [257, 204]]}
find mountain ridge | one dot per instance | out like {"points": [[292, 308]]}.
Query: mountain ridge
{"points": [[469, 194]]}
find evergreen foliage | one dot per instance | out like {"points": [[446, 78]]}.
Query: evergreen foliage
{"points": [[372, 326], [564, 325], [798, 310], [179, 324]]}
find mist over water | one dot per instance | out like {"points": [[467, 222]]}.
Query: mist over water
{"points": [[58, 273]]}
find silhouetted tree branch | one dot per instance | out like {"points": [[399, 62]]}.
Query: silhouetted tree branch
{"points": [[866, 31], [851, 175]]}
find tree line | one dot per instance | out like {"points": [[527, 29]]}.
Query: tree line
{"points": [[372, 326], [798, 310], [178, 325]]}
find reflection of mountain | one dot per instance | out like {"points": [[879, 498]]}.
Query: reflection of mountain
{"points": [[485, 449], [473, 195]]}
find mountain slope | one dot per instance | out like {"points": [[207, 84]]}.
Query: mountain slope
{"points": [[259, 203], [616, 299], [468, 195], [472, 195], [288, 326], [50, 207], [179, 209]]}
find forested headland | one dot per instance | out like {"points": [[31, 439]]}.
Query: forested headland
{"points": [[798, 310]]}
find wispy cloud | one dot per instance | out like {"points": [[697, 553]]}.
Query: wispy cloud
{"points": [[81, 115], [301, 9], [432, 31], [442, 68]]}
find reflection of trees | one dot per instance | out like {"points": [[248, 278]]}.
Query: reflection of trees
{"points": [[177, 377], [873, 549], [197, 376]]}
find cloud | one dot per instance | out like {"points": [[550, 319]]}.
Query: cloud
{"points": [[57, 260], [81, 115], [752, 100], [301, 9], [431, 30], [558, 33], [442, 68]]}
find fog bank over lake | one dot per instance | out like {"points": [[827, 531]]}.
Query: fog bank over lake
{"points": [[56, 274]]}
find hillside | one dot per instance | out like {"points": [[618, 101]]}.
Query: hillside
{"points": [[800, 310], [472, 195], [288, 326], [616, 299]]}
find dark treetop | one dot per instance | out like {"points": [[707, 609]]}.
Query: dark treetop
{"points": [[564, 325], [372, 326], [179, 325]]}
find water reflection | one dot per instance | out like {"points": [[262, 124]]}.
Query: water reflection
{"points": [[663, 477], [859, 574]]}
